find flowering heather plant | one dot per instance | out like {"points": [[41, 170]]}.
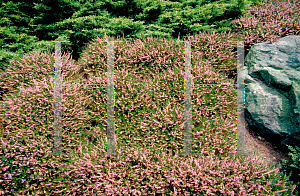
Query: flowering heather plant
{"points": [[149, 124]]}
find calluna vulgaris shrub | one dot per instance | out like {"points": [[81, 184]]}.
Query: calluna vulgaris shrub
{"points": [[28, 112], [149, 110]]}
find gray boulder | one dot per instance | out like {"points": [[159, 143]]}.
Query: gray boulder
{"points": [[272, 91]]}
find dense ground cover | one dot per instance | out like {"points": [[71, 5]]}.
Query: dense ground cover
{"points": [[149, 126], [149, 123]]}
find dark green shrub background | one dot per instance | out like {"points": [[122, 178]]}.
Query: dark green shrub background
{"points": [[25, 25]]}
